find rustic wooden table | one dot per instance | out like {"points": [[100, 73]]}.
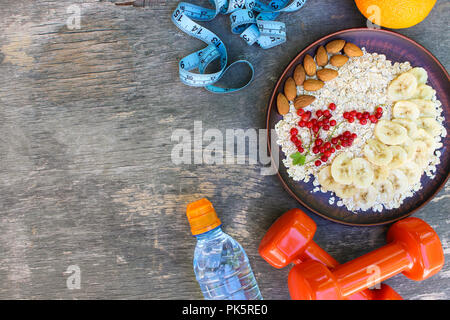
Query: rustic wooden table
{"points": [[87, 181]]}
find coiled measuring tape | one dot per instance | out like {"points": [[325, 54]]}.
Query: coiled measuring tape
{"points": [[252, 19]]}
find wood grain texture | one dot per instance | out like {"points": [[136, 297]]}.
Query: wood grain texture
{"points": [[86, 177]]}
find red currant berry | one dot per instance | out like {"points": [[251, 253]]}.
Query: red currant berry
{"points": [[332, 106], [338, 147], [318, 142], [347, 133], [315, 150], [326, 113], [309, 124], [302, 124], [334, 140], [354, 135], [326, 127], [332, 123], [322, 149], [327, 153], [300, 112], [324, 158], [294, 139], [305, 117], [366, 115], [332, 150], [363, 121], [318, 163], [351, 120], [300, 149], [346, 115], [299, 143], [294, 131], [314, 121], [353, 113], [319, 113], [358, 115], [373, 119], [379, 110], [325, 121], [327, 145], [315, 128], [378, 115]]}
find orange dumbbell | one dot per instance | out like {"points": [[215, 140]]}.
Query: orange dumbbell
{"points": [[290, 239], [414, 249]]}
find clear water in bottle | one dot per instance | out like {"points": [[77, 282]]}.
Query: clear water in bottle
{"points": [[222, 268]]}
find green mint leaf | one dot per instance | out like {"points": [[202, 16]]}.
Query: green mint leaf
{"points": [[298, 158]]}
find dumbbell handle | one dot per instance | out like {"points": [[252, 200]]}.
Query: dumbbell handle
{"points": [[314, 252], [372, 268]]}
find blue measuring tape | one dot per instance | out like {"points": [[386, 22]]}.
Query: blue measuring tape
{"points": [[252, 19]]}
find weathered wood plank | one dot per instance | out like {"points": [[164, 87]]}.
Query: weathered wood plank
{"points": [[86, 177]]}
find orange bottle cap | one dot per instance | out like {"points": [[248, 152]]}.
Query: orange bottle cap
{"points": [[201, 216]]}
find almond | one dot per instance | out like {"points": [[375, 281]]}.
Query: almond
{"points": [[282, 104], [335, 46], [312, 85], [338, 60], [303, 101], [327, 74], [352, 50], [321, 57], [299, 75], [309, 65], [290, 89]]}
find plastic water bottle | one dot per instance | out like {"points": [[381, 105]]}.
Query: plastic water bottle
{"points": [[220, 264]]}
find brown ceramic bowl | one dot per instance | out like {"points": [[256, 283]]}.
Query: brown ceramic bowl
{"points": [[397, 48]]}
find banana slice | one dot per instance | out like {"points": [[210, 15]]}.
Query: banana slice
{"points": [[385, 190], [380, 173], [341, 168], [425, 92], [421, 154], [345, 190], [403, 87], [412, 171], [362, 173], [409, 125], [405, 110], [420, 74], [399, 180], [390, 133], [377, 152], [365, 198], [326, 179], [430, 125], [426, 107], [398, 157], [424, 136], [409, 147]]}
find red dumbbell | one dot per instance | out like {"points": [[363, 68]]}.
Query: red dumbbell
{"points": [[414, 249], [289, 239]]}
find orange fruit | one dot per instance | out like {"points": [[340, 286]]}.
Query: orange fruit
{"points": [[395, 14]]}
